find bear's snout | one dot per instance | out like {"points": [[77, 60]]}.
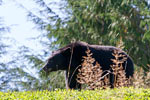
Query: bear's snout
{"points": [[46, 69]]}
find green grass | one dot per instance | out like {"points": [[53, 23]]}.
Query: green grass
{"points": [[108, 94]]}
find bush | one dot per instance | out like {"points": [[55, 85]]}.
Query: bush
{"points": [[111, 94]]}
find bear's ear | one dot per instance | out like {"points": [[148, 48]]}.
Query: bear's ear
{"points": [[66, 51]]}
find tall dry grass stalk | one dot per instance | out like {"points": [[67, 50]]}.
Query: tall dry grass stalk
{"points": [[141, 79], [92, 75], [118, 71]]}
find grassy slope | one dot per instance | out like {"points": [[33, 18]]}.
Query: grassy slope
{"points": [[109, 94]]}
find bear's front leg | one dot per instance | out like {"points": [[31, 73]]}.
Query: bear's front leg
{"points": [[71, 82]]}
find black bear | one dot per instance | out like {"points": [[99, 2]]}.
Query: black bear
{"points": [[70, 57]]}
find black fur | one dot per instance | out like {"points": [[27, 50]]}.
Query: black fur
{"points": [[70, 57]]}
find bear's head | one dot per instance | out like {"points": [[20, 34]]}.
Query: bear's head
{"points": [[59, 60]]}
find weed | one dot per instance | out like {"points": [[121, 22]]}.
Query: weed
{"points": [[141, 79], [91, 74], [118, 70], [94, 77], [107, 94]]}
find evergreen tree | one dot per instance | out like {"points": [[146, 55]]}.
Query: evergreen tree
{"points": [[104, 22], [123, 23], [3, 51]]}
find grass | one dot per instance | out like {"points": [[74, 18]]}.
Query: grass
{"points": [[107, 94]]}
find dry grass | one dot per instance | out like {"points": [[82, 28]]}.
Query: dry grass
{"points": [[141, 79], [94, 77], [91, 74], [118, 71]]}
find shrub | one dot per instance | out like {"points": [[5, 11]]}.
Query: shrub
{"points": [[93, 76]]}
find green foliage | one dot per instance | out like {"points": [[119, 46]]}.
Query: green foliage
{"points": [[111, 94], [104, 22], [124, 23], [27, 74], [41, 81], [146, 36], [107, 22]]}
